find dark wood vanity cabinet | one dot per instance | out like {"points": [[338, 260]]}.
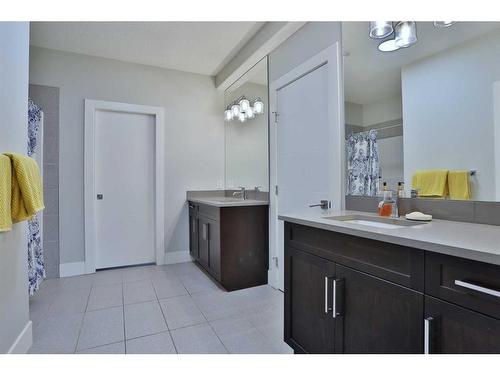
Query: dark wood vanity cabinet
{"points": [[346, 294], [231, 243]]}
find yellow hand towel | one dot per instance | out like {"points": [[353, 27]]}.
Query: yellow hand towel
{"points": [[431, 183], [27, 190], [5, 194], [458, 184]]}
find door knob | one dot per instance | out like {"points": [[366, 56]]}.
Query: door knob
{"points": [[99, 197]]}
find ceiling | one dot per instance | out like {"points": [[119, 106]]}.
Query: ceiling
{"points": [[371, 75], [197, 47]]}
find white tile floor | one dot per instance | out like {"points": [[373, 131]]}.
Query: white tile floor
{"points": [[155, 309]]}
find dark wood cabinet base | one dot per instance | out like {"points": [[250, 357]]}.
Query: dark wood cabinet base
{"points": [[231, 243]]}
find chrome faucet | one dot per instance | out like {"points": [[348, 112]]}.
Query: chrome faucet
{"points": [[242, 192]]}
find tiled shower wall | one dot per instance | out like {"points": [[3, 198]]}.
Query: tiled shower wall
{"points": [[48, 99]]}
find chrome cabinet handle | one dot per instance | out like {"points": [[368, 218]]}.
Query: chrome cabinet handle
{"points": [[326, 295], [336, 308], [427, 335], [477, 288]]}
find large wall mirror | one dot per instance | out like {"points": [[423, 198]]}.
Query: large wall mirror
{"points": [[422, 108], [246, 129]]}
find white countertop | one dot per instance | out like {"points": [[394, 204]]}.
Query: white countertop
{"points": [[228, 202], [479, 242]]}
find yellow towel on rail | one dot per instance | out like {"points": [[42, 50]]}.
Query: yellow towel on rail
{"points": [[458, 185], [431, 183], [5, 194], [27, 190]]}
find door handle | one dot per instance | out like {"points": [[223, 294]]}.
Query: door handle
{"points": [[427, 335], [478, 288], [324, 204], [99, 197], [337, 297]]}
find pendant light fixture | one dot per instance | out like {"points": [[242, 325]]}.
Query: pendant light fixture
{"points": [[242, 117], [406, 34], [228, 114], [240, 109], [249, 113], [380, 29]]}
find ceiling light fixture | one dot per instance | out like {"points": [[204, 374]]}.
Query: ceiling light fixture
{"points": [[406, 34], [388, 45], [380, 29], [441, 24], [240, 109]]}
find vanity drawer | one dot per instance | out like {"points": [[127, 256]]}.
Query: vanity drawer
{"points": [[467, 283], [210, 212], [399, 264]]}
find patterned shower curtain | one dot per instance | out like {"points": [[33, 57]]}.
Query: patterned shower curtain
{"points": [[362, 164], [36, 268]]}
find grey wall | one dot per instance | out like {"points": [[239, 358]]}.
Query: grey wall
{"points": [[448, 110], [14, 310], [309, 40], [48, 99], [194, 136]]}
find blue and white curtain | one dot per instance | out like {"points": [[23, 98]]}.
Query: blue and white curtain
{"points": [[36, 268], [362, 164]]}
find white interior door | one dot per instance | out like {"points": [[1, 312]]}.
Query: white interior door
{"points": [[309, 143], [125, 188]]}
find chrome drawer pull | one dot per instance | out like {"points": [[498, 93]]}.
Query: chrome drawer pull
{"points": [[477, 288], [326, 295], [427, 335]]}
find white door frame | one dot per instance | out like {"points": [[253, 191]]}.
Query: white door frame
{"points": [[91, 106], [332, 57]]}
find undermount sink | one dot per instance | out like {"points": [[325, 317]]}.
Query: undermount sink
{"points": [[375, 221]]}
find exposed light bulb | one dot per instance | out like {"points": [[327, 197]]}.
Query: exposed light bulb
{"points": [[244, 104], [235, 108], [388, 46], [249, 113], [258, 106], [242, 117], [228, 115]]}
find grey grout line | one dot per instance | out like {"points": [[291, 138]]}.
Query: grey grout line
{"points": [[81, 322], [165, 319], [124, 330]]}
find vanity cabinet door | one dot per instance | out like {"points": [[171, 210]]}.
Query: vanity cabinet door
{"points": [[193, 232], [203, 241], [309, 324], [451, 329], [376, 316]]}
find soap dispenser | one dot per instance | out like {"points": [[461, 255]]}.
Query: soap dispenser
{"points": [[387, 205]]}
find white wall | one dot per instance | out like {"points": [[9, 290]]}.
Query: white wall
{"points": [[448, 112], [353, 114], [308, 41], [14, 307], [194, 136], [247, 143], [382, 110]]}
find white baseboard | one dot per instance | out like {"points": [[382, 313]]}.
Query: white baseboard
{"points": [[71, 269], [177, 257], [23, 341]]}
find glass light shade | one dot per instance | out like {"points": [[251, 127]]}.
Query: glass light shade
{"points": [[235, 108], [249, 113], [242, 117], [258, 107], [443, 23], [380, 29], [388, 46], [228, 115], [244, 104], [406, 34]]}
